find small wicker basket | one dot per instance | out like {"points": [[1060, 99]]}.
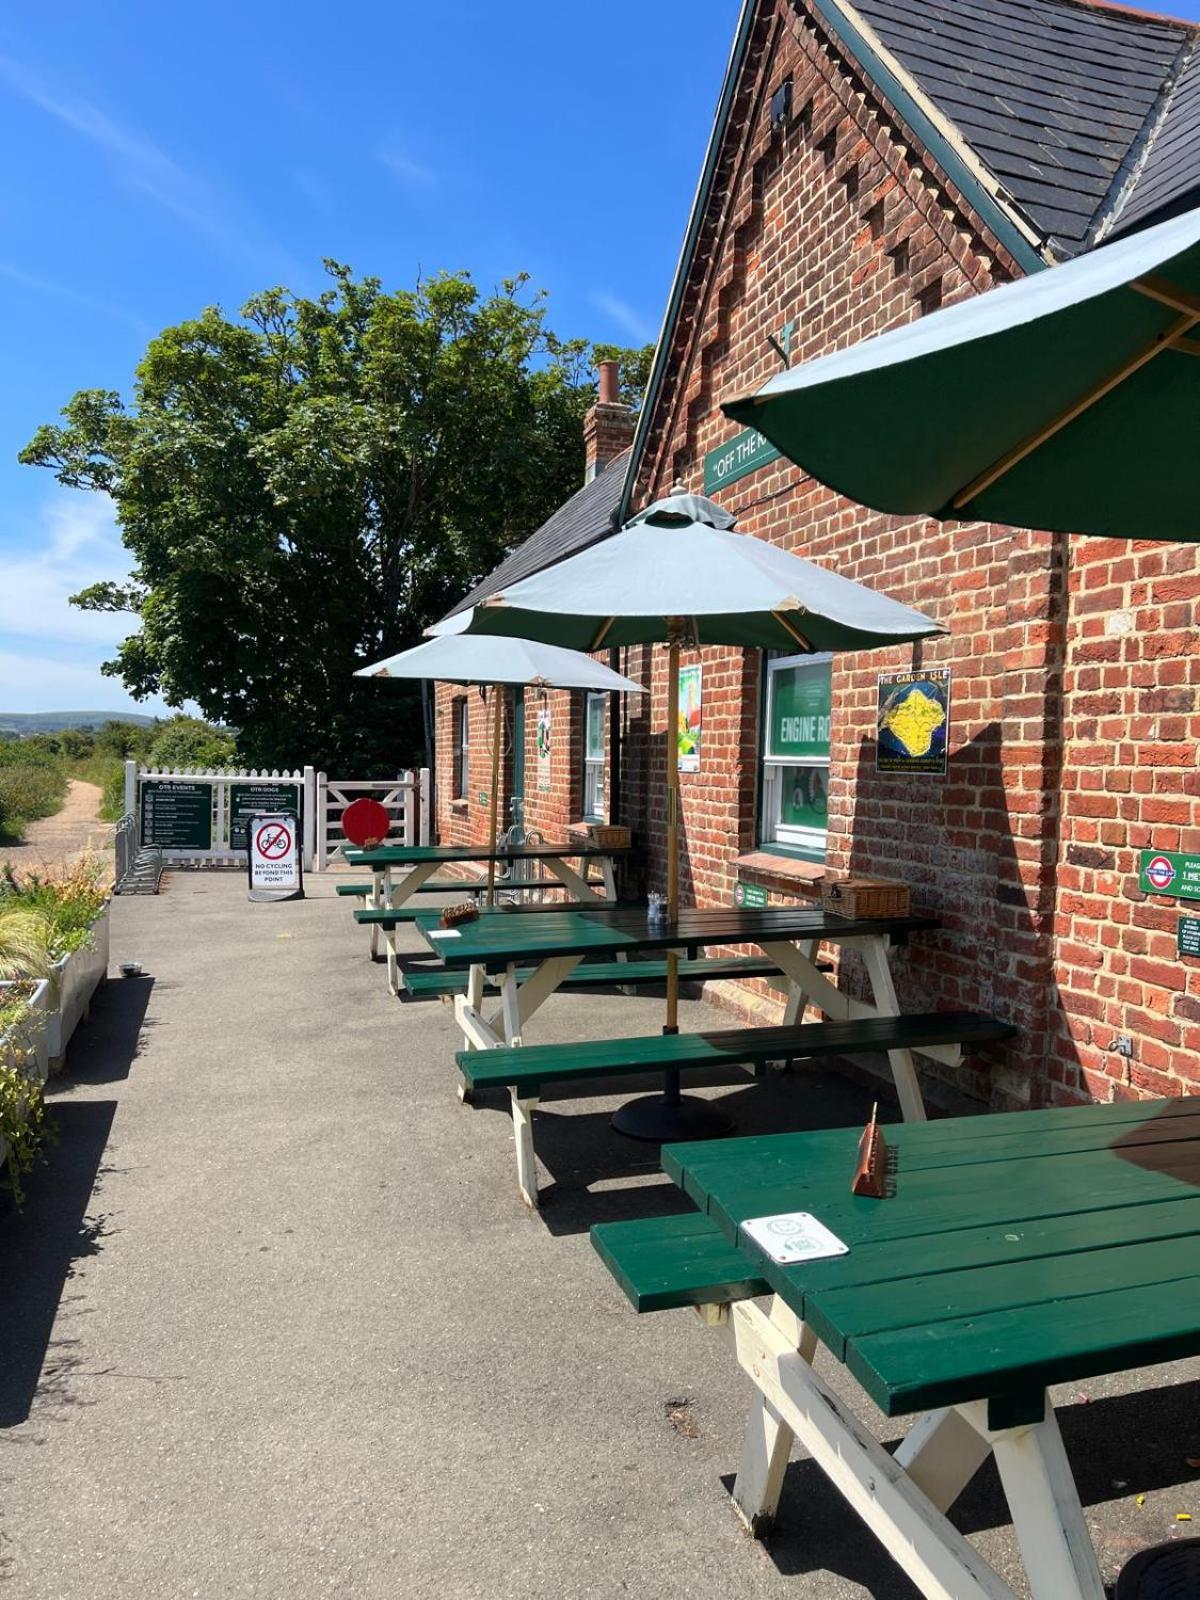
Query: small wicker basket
{"points": [[606, 836], [865, 897]]}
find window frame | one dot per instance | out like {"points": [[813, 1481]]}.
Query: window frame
{"points": [[461, 748], [593, 804], [773, 835]]}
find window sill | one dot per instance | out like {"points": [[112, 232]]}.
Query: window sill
{"points": [[461, 806], [772, 866]]}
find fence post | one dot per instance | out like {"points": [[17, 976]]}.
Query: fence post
{"points": [[407, 778], [321, 813], [308, 805], [426, 801], [131, 771]]}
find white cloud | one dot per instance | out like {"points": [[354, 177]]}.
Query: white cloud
{"points": [[630, 321], [73, 542], [145, 168], [406, 169], [61, 291]]}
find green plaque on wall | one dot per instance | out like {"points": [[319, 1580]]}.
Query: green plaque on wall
{"points": [[749, 894], [1187, 936], [739, 456], [1170, 872]]}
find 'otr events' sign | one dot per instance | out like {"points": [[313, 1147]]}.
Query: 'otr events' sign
{"points": [[743, 454]]}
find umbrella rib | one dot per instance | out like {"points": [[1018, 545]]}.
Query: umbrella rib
{"points": [[801, 639], [603, 633], [1160, 342]]}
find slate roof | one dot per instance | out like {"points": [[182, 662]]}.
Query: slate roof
{"points": [[1086, 114], [578, 522]]}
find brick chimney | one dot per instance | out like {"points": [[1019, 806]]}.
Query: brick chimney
{"points": [[609, 426]]}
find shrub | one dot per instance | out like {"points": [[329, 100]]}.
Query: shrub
{"points": [[28, 792], [186, 742], [24, 942], [68, 901]]}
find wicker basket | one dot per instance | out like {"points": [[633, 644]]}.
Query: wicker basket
{"points": [[865, 897], [609, 837]]}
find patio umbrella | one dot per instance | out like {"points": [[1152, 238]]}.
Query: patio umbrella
{"points": [[677, 575], [1069, 400], [465, 659]]}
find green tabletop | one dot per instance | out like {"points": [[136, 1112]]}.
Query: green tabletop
{"points": [[499, 937], [411, 855], [1015, 1251]]}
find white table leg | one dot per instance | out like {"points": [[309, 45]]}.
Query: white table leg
{"points": [[571, 880], [1060, 1561], [522, 1111], [767, 1446], [883, 992], [941, 1453], [393, 959], [938, 1559]]}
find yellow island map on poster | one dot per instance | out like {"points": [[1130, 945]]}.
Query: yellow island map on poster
{"points": [[914, 715]]}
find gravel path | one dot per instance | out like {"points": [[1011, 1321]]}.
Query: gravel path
{"points": [[54, 840]]}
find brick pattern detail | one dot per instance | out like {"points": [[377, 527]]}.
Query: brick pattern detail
{"points": [[1076, 668], [608, 428]]}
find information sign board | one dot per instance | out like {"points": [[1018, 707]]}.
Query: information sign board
{"points": [[1188, 936], [1170, 872], [749, 894], [246, 799], [176, 815], [275, 869]]}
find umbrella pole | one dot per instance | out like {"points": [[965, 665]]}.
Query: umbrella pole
{"points": [[672, 1025], [494, 797]]}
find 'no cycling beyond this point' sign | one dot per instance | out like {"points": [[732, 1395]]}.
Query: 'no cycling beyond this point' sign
{"points": [[276, 871]]}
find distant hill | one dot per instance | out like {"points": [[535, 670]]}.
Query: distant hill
{"points": [[25, 722]]}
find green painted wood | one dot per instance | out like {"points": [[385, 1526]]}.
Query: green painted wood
{"points": [[422, 984], [1013, 1252], [426, 918], [385, 917], [430, 886], [355, 889], [521, 935], [665, 1262], [411, 855], [596, 1058]]}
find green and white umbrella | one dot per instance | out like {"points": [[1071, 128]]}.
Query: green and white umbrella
{"points": [[1069, 400], [677, 575], [496, 662]]}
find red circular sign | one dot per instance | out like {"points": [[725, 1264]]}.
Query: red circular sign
{"points": [[273, 841], [1160, 872], [365, 823]]}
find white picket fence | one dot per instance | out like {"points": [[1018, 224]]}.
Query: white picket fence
{"points": [[195, 814], [407, 799]]}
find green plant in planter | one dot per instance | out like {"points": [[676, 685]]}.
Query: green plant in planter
{"points": [[24, 943], [23, 1129], [68, 902]]}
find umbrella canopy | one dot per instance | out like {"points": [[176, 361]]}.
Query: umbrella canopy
{"points": [[677, 572], [1068, 401], [468, 659]]}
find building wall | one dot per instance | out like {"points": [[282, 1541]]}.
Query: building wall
{"points": [[550, 811], [832, 226]]}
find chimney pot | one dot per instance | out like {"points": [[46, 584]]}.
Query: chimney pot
{"points": [[610, 387]]}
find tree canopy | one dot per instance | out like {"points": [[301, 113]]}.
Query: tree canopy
{"points": [[305, 488]]}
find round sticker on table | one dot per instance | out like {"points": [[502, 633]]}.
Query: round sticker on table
{"points": [[1160, 872], [365, 823]]}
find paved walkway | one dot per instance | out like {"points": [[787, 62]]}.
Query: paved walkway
{"points": [[275, 1323], [68, 833]]}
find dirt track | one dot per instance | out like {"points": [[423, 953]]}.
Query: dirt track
{"points": [[65, 835]]}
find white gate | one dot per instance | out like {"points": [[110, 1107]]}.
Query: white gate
{"points": [[407, 800], [200, 816]]}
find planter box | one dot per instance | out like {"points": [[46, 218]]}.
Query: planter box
{"points": [[73, 982], [31, 1035]]}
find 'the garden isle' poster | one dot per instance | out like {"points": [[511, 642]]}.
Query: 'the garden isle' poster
{"points": [[914, 722], [689, 719]]}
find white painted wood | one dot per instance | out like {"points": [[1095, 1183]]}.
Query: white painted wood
{"points": [[608, 873], [480, 1035], [941, 1453], [919, 1538], [510, 1006], [767, 1446], [542, 983], [1060, 1561], [522, 1111], [883, 992], [393, 959], [397, 893], [577, 886]]}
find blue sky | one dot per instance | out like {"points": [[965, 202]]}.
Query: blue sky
{"points": [[157, 158]]}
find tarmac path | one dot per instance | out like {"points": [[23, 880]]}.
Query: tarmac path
{"points": [[275, 1322], [53, 841]]}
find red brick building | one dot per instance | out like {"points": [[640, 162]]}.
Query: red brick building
{"points": [[869, 163]]}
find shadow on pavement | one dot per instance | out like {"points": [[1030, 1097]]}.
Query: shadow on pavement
{"points": [[598, 1175], [108, 1044]]}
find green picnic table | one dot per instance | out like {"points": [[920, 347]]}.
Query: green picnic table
{"points": [[1012, 1252], [420, 862], [534, 952]]}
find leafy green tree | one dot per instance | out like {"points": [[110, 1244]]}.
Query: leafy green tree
{"points": [[183, 742], [305, 489], [124, 740]]}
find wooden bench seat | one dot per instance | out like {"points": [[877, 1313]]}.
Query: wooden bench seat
{"points": [[389, 918], [664, 1262], [422, 985], [430, 886], [525, 1070]]}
